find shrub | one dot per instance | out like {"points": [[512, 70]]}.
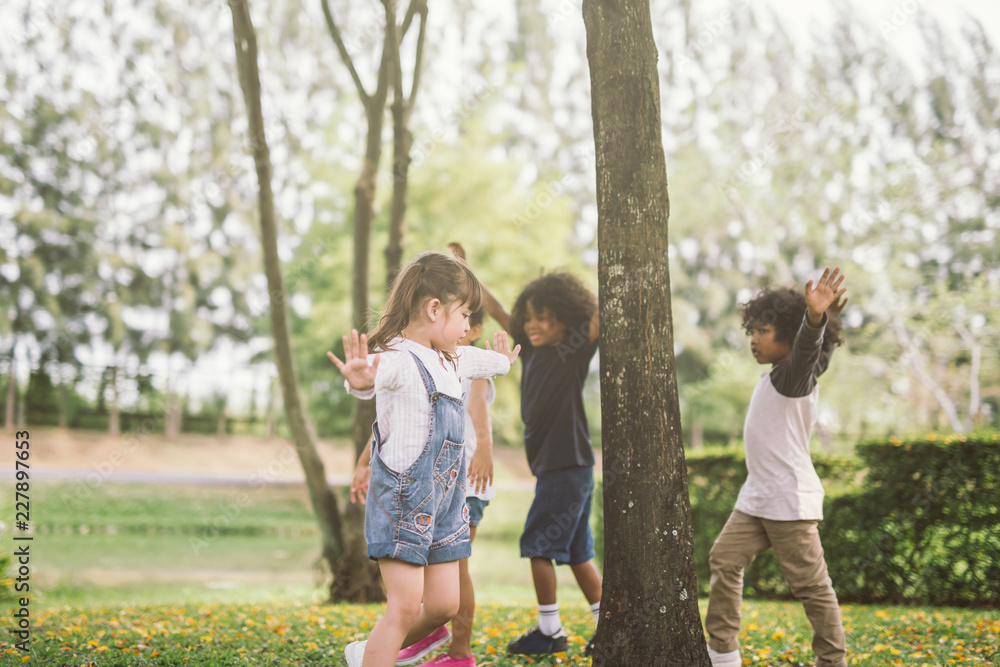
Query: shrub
{"points": [[913, 522]]}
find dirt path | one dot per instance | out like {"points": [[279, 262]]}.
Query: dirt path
{"points": [[196, 459]]}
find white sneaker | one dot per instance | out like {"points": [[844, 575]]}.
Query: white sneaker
{"points": [[355, 653], [731, 659]]}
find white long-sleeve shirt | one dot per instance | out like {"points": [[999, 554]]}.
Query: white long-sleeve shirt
{"points": [[782, 484], [403, 411]]}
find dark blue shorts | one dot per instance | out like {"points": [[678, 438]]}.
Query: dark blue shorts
{"points": [[558, 523], [476, 509]]}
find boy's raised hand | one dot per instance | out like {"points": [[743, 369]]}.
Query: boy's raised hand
{"points": [[501, 344], [355, 366], [826, 294]]}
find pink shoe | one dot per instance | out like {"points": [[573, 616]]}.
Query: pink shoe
{"points": [[448, 661], [413, 654]]}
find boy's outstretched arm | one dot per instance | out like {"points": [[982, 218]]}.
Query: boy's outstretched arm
{"points": [[490, 303], [594, 332], [797, 376]]}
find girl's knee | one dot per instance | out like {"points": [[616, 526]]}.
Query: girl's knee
{"points": [[403, 612], [442, 608]]}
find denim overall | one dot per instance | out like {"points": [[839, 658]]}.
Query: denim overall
{"points": [[419, 515]]}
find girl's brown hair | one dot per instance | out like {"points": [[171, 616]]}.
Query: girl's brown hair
{"points": [[430, 276]]}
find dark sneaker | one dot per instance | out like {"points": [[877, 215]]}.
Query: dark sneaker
{"points": [[534, 642], [588, 650]]}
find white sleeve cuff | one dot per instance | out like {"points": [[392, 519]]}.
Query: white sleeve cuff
{"points": [[365, 395]]}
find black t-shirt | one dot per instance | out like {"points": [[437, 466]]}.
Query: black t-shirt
{"points": [[555, 426]]}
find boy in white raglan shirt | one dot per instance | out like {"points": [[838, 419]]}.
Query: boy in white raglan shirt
{"points": [[781, 503]]}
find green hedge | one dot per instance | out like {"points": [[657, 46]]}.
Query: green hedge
{"points": [[906, 522]]}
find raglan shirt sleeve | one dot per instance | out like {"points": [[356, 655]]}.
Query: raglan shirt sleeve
{"points": [[797, 376], [477, 364]]}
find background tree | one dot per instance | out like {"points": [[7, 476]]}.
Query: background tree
{"points": [[323, 501], [649, 609]]}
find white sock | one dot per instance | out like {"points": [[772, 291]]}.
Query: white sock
{"points": [[548, 618], [595, 609], [731, 659]]}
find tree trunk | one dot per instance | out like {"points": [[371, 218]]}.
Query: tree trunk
{"points": [[402, 141], [171, 426], [272, 416], [63, 398], [355, 578], [323, 500], [11, 392], [220, 423], [114, 419], [649, 610]]}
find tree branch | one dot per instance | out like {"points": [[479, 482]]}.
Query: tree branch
{"points": [[924, 378], [397, 74], [344, 55], [410, 12], [420, 54]]}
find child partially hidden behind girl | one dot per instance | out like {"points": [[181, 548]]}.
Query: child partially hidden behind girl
{"points": [[416, 519], [555, 318]]}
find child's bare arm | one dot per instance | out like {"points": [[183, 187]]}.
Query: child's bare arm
{"points": [[362, 475], [594, 332], [490, 303], [481, 464]]}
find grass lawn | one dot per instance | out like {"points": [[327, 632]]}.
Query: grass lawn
{"points": [[303, 633], [126, 574]]}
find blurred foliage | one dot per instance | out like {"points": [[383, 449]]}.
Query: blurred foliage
{"points": [[128, 231], [907, 522]]}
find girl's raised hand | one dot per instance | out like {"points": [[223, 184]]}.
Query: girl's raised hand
{"points": [[502, 345], [826, 293], [355, 366]]}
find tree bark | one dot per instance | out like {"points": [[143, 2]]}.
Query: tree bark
{"points": [[649, 610], [323, 500]]}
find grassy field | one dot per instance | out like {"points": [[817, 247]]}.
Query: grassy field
{"points": [[302, 633], [128, 574]]}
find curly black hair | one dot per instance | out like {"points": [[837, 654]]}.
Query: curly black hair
{"points": [[476, 317], [784, 307], [563, 295]]}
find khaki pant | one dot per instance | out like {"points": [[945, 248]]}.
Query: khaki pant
{"points": [[800, 554]]}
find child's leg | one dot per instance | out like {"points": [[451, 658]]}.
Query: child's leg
{"points": [[589, 580], [441, 601], [800, 554], [404, 586], [740, 541], [543, 574], [461, 625]]}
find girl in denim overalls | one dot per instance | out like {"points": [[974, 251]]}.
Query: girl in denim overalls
{"points": [[416, 521]]}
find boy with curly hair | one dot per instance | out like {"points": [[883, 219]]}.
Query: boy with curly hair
{"points": [[781, 502], [555, 320]]}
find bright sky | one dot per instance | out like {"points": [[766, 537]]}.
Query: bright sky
{"points": [[894, 19]]}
